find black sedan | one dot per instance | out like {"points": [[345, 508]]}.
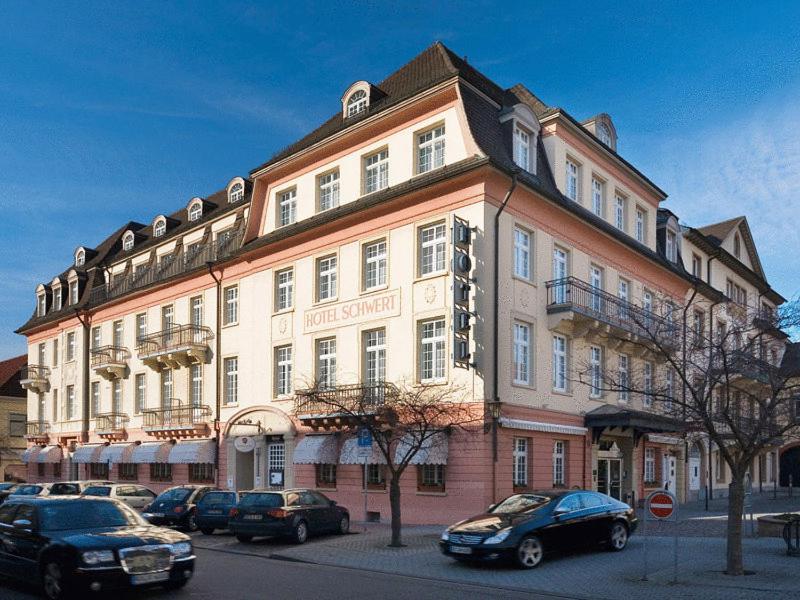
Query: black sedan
{"points": [[75, 545], [176, 506], [524, 526], [292, 513]]}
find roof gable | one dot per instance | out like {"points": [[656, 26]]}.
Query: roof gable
{"points": [[722, 235]]}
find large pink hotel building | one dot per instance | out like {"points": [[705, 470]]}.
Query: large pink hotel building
{"points": [[171, 352]]}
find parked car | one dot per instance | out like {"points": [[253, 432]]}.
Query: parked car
{"points": [[294, 513], [31, 489], [525, 526], [176, 506], [76, 544], [73, 488], [134, 495], [7, 490], [213, 510]]}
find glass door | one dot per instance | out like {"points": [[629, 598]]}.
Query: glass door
{"points": [[609, 477]]}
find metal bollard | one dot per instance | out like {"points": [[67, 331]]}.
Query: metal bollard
{"points": [[791, 535]]}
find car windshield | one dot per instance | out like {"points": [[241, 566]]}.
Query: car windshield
{"points": [[6, 486], [83, 514], [28, 490], [97, 490], [520, 503], [262, 500], [215, 498], [65, 489], [175, 495]]}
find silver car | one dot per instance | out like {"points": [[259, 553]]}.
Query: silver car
{"points": [[134, 495]]}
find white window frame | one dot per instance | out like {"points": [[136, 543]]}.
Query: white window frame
{"points": [[283, 370], [623, 377], [519, 458], [598, 196], [522, 353], [650, 465], [430, 149], [560, 362], [74, 295], [620, 211], [94, 395], [195, 210], [70, 408], [375, 264], [559, 462], [432, 249], [647, 384], [71, 346], [57, 300], [231, 312], [231, 370], [522, 253], [327, 267], [522, 147], [595, 371], [140, 396], [376, 171], [159, 227], [41, 305], [560, 273], [167, 388], [127, 241], [328, 190], [80, 258], [141, 326], [236, 192], [116, 396], [326, 363], [374, 342], [671, 245], [287, 207], [641, 225], [357, 102], [196, 384], [572, 180], [97, 337], [432, 350], [284, 289]]}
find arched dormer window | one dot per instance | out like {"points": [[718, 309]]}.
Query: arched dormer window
{"points": [[524, 135], [356, 98], [356, 102], [195, 209], [159, 227], [41, 300], [127, 241], [236, 192], [80, 257], [604, 134], [737, 246]]}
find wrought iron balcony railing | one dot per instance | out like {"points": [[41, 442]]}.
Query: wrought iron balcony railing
{"points": [[746, 364], [572, 294], [172, 339], [37, 429], [110, 423], [345, 399], [176, 415], [34, 372], [109, 355]]}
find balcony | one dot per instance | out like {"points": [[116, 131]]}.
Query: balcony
{"points": [[35, 378], [177, 346], [578, 309], [111, 426], [177, 419], [185, 261], [37, 431], [745, 369], [336, 407], [110, 362]]}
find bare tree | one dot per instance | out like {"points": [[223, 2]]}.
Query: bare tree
{"points": [[403, 420], [716, 366]]}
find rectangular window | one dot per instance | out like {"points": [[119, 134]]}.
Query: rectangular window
{"points": [[522, 353], [430, 150], [55, 352], [430, 478], [140, 393], [98, 471], [41, 306], [167, 317], [559, 463], [650, 465], [326, 363], [573, 172], [647, 384], [196, 311], [669, 391], [41, 349], [641, 225], [287, 207], [55, 405], [375, 265], [520, 463], [141, 326], [283, 370], [70, 402], [231, 311], [73, 292], [128, 472], [432, 249], [598, 197], [116, 396], [672, 246], [522, 253], [71, 345], [231, 380], [284, 289], [698, 327], [118, 334], [560, 273], [432, 351], [522, 147], [376, 477], [376, 172], [596, 281], [94, 396], [326, 278], [375, 356], [196, 384], [595, 371], [326, 476], [328, 190], [96, 337], [559, 363], [57, 298], [160, 472], [697, 266], [201, 473], [166, 388], [16, 424], [620, 216], [623, 378]]}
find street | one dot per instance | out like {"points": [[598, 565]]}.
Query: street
{"points": [[241, 577]]}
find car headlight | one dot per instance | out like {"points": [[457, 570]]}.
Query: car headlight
{"points": [[182, 549], [445, 535], [498, 537], [95, 557]]}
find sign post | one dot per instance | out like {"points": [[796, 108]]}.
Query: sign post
{"points": [[662, 506], [365, 452]]}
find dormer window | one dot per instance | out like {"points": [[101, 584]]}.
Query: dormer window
{"points": [[127, 241], [356, 102], [195, 210], [672, 246], [603, 134], [41, 305], [524, 132], [73, 293], [159, 227], [236, 192], [80, 257], [522, 147]]}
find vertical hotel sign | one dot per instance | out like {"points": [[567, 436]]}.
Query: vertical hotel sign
{"points": [[352, 312]]}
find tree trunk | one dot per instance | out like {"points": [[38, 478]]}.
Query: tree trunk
{"points": [[394, 501], [734, 543]]}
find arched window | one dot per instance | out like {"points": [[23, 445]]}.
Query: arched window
{"points": [[356, 102], [737, 246], [80, 258], [236, 193], [127, 241], [159, 228], [195, 211]]}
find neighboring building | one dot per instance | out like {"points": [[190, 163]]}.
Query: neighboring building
{"points": [[173, 351], [13, 418]]}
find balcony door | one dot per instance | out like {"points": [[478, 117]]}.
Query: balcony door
{"points": [[559, 274]]}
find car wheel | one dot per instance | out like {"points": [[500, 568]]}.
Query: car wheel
{"points": [[191, 522], [55, 588], [618, 536], [207, 530], [529, 552], [300, 533], [245, 539], [344, 525]]}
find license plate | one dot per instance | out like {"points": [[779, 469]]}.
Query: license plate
{"points": [[253, 517], [149, 577], [460, 550], [214, 512]]}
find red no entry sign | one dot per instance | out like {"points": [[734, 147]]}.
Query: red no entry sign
{"points": [[661, 505]]}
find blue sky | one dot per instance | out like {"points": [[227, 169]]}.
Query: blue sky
{"points": [[114, 112]]}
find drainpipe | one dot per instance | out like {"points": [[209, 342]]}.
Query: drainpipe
{"points": [[218, 368], [84, 320], [495, 331]]}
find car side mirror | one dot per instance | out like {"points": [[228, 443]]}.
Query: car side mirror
{"points": [[23, 524], [559, 512], [491, 507]]}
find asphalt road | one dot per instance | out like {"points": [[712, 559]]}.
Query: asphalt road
{"points": [[226, 576]]}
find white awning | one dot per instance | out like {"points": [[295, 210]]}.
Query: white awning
{"points": [[349, 454], [50, 455], [151, 452], [29, 456], [117, 453], [317, 450], [193, 452], [90, 453], [541, 426], [432, 450]]}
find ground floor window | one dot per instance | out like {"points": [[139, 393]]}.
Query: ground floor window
{"points": [[57, 470], [98, 470], [559, 463], [720, 467], [201, 473], [40, 469], [520, 463], [128, 471], [376, 477], [160, 472], [430, 478], [326, 476], [650, 465]]}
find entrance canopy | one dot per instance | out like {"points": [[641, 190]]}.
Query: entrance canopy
{"points": [[607, 418]]}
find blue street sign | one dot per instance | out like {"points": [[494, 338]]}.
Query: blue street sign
{"points": [[364, 438]]}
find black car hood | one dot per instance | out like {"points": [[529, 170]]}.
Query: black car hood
{"points": [[489, 522], [120, 537]]}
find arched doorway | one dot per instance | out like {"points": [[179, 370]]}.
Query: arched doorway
{"points": [[259, 442], [790, 466]]}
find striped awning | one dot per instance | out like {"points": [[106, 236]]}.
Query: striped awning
{"points": [[541, 426], [349, 454], [90, 453], [117, 453], [432, 450], [29, 456], [193, 452], [317, 450], [50, 455], [151, 452]]}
